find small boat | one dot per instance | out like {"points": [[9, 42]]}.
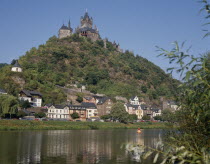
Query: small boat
{"points": [[139, 130]]}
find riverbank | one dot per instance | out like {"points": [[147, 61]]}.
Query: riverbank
{"points": [[64, 125]]}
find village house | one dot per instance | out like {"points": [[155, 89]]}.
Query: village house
{"points": [[33, 97], [104, 105], [16, 67], [58, 112], [146, 110], [3, 92], [134, 109], [89, 99], [91, 109], [81, 110], [156, 112], [134, 100]]}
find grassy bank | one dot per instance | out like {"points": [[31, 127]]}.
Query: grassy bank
{"points": [[62, 125]]}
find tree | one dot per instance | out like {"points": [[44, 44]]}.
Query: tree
{"points": [[75, 115], [132, 117], [105, 117], [24, 104], [146, 117], [8, 104], [40, 115], [144, 89], [119, 113], [21, 114]]}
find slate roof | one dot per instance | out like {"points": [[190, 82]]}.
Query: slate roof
{"points": [[31, 93], [78, 107], [102, 100], [133, 106], [86, 16], [143, 106], [16, 64], [88, 98], [65, 28], [87, 29], [2, 91], [89, 105], [132, 98]]}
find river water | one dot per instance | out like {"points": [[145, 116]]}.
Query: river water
{"points": [[74, 146]]}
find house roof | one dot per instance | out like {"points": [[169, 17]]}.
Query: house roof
{"points": [[78, 107], [88, 105], [102, 100], [88, 98], [172, 102], [16, 64], [64, 27], [2, 91], [133, 106], [31, 93], [143, 106], [132, 98]]}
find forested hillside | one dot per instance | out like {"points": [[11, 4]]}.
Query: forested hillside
{"points": [[78, 60]]}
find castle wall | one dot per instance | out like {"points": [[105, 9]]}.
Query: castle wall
{"points": [[64, 33]]}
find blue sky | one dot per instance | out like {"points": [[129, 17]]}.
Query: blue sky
{"points": [[138, 25]]}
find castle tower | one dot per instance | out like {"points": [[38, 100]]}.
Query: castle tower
{"points": [[86, 21], [65, 31], [86, 28]]}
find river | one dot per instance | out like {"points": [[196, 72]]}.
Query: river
{"points": [[74, 146]]}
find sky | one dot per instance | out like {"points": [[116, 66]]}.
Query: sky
{"points": [[137, 25]]}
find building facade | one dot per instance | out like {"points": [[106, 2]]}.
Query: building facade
{"points": [[16, 67], [58, 112], [65, 31], [33, 97]]}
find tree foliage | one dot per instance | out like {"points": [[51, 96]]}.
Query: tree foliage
{"points": [[119, 113], [8, 104], [74, 115]]}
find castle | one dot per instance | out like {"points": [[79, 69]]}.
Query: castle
{"points": [[85, 29]]}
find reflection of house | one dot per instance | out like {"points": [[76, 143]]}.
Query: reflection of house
{"points": [[104, 105], [2, 91], [58, 112], [134, 109], [91, 109], [16, 67], [81, 110], [33, 97]]}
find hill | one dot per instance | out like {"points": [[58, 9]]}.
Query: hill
{"points": [[79, 60]]}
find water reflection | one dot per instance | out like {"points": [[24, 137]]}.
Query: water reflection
{"points": [[67, 146]]}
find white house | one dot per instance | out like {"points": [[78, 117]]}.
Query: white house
{"points": [[33, 97], [91, 109], [134, 100], [156, 112], [16, 67], [58, 112]]}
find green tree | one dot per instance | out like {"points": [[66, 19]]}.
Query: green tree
{"points": [[75, 115], [119, 113], [21, 114], [8, 104], [40, 115], [146, 117], [24, 104], [132, 117]]}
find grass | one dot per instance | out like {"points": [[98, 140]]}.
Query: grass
{"points": [[64, 125]]}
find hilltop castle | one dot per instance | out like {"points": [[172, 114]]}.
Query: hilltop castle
{"points": [[85, 29]]}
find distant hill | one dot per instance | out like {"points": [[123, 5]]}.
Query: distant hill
{"points": [[79, 60]]}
